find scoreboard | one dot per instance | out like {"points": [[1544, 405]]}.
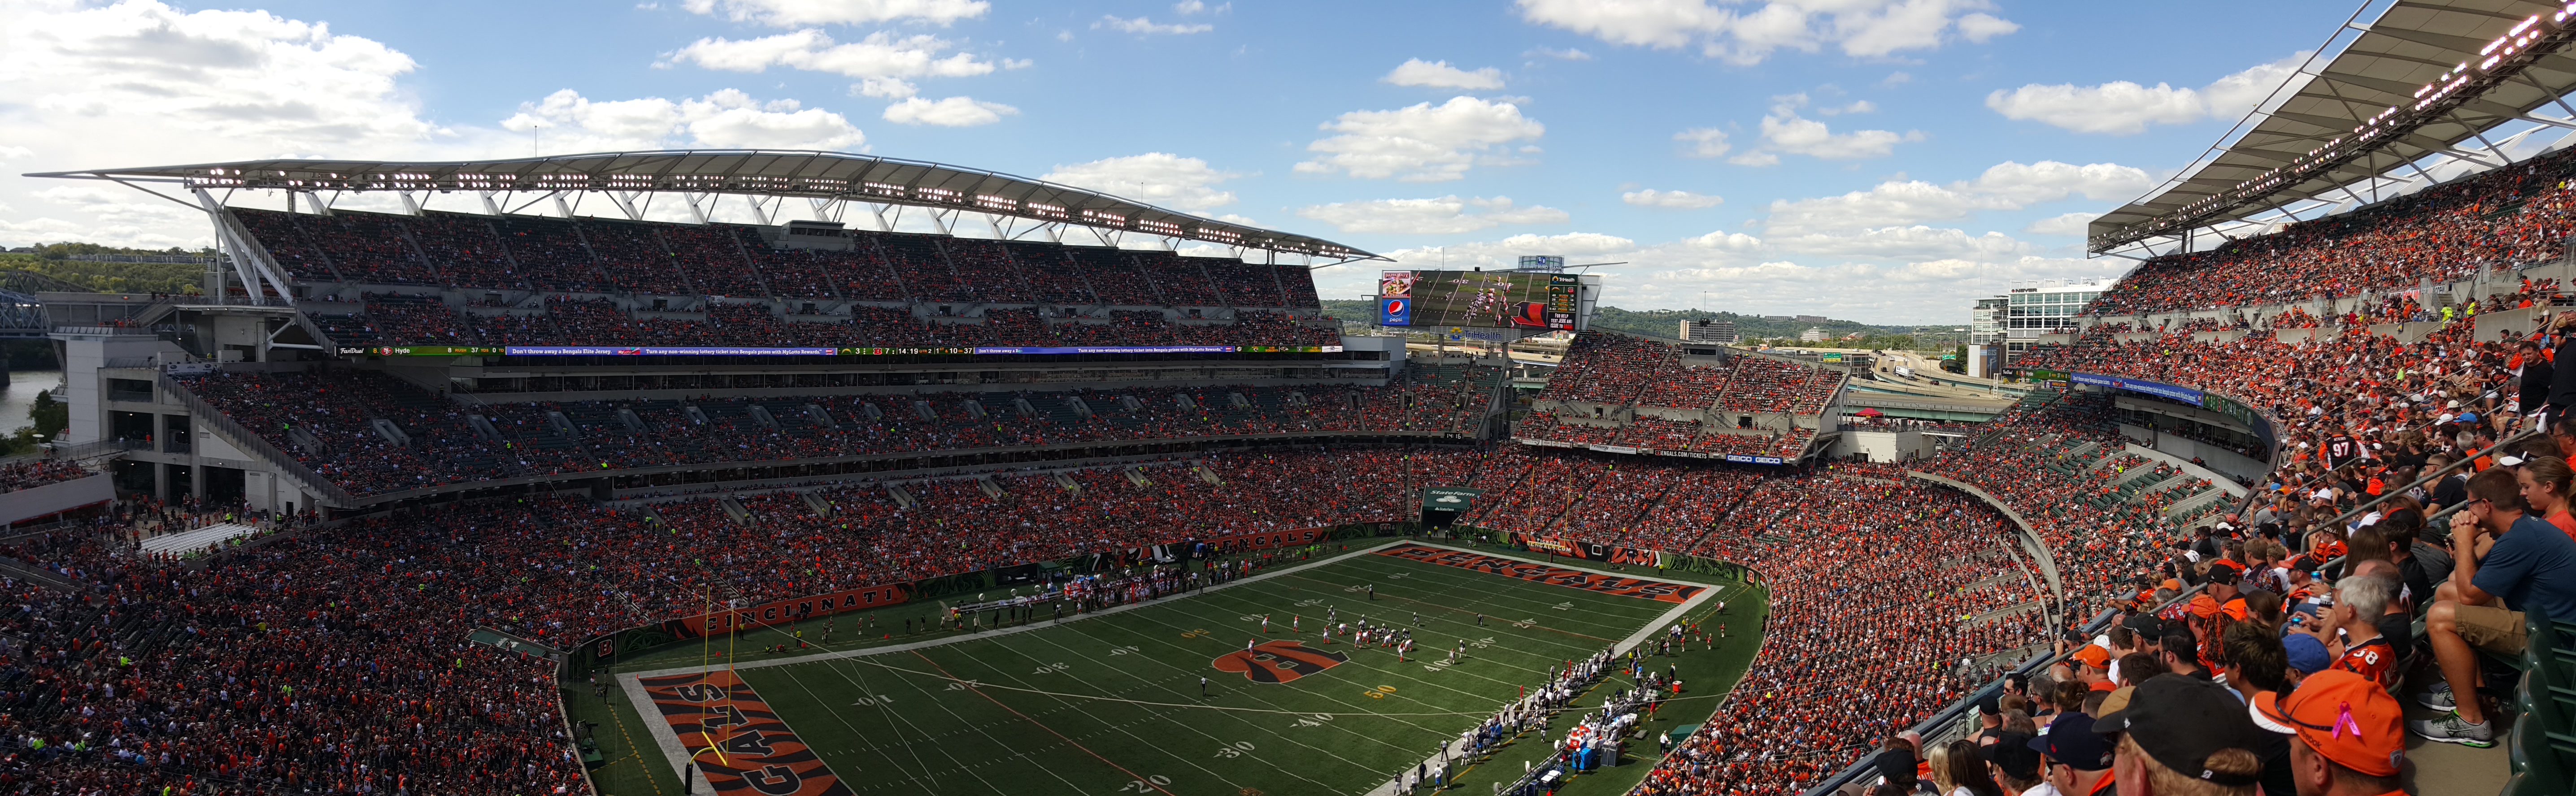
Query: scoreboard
{"points": [[1531, 300]]}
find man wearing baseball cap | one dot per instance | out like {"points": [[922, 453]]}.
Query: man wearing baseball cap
{"points": [[2344, 736], [2181, 736], [2093, 667], [2078, 760]]}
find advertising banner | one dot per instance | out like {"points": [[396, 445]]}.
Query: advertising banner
{"points": [[1266, 540], [784, 611], [2155, 388], [1450, 498], [1590, 551]]}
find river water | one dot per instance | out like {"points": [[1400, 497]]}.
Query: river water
{"points": [[23, 386]]}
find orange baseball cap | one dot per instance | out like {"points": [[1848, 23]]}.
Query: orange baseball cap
{"points": [[2342, 715], [2093, 655]]}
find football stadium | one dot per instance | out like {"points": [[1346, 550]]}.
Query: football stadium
{"points": [[801, 472]]}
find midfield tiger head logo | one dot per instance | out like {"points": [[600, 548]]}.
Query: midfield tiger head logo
{"points": [[1278, 661]]}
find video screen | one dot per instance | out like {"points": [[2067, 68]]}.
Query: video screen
{"points": [[1489, 299]]}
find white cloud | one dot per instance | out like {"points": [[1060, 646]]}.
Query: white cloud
{"points": [[880, 55], [1189, 7], [1439, 74], [1980, 27], [1726, 241], [726, 119], [1705, 142], [1915, 242], [1441, 216], [1567, 54], [2123, 107], [2049, 180], [950, 112], [1857, 106], [1785, 132], [1679, 199], [1423, 142], [1738, 34], [1154, 177], [885, 87], [1142, 25], [2063, 224], [92, 85], [2006, 186], [792, 13]]}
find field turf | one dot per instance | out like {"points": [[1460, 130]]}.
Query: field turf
{"points": [[1111, 703]]}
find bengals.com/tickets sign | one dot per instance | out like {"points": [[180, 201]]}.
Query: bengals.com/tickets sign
{"points": [[1259, 541], [1592, 552]]}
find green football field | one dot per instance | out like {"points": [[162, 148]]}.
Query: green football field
{"points": [[1111, 702]]}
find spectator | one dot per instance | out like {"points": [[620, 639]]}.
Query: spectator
{"points": [[2507, 561]]}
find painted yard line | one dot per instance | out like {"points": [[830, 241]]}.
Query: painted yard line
{"points": [[1014, 677], [1423, 656], [1706, 593], [922, 768], [678, 757], [1337, 701], [928, 643], [1237, 717]]}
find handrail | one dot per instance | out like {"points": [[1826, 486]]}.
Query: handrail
{"points": [[255, 443], [1931, 727], [2465, 460]]}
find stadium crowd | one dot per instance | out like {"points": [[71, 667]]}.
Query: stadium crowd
{"points": [[2507, 217], [373, 434], [333, 660], [27, 475]]}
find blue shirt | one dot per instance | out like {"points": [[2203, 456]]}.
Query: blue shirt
{"points": [[2532, 566]]}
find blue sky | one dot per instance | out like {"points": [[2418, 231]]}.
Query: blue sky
{"points": [[1880, 161]]}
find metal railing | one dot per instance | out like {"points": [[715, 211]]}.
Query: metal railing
{"points": [[75, 451], [1947, 723], [254, 443]]}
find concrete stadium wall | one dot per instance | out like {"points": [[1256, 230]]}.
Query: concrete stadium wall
{"points": [[30, 503]]}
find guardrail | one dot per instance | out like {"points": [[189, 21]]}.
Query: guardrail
{"points": [[98, 447], [1946, 724], [256, 444]]}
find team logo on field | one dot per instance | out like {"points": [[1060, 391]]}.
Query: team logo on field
{"points": [[1278, 661]]}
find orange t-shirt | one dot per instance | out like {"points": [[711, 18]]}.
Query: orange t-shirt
{"points": [[2566, 522], [2374, 659]]}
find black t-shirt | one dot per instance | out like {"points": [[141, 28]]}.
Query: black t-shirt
{"points": [[2274, 748], [2452, 489], [2341, 448], [2398, 629]]}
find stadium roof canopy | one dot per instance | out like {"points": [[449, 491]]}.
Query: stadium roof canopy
{"points": [[2427, 79], [763, 174]]}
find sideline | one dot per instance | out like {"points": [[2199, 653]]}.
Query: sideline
{"points": [[669, 741], [1708, 592], [678, 757]]}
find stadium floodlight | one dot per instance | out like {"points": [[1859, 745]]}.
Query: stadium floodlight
{"points": [[758, 173], [2455, 105]]}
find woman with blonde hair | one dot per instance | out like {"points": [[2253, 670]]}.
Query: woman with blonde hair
{"points": [[1958, 769]]}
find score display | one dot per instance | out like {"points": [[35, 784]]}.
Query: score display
{"points": [[1487, 299]]}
